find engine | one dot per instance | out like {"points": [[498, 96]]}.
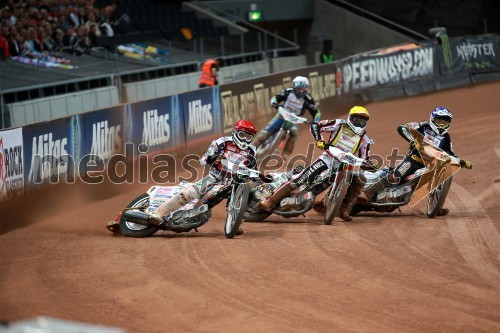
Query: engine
{"points": [[397, 194]]}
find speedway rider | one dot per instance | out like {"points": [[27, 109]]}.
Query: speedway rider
{"points": [[297, 100], [348, 136], [235, 148], [436, 131]]}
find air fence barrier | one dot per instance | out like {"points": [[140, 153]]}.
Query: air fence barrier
{"points": [[63, 149]]}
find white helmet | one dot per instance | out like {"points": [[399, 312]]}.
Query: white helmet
{"points": [[300, 85], [440, 120]]}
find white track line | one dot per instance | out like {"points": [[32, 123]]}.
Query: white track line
{"points": [[475, 235]]}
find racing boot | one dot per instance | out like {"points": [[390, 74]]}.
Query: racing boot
{"points": [[282, 192], [349, 201], [367, 195], [443, 212], [260, 138], [186, 195], [319, 206], [239, 232]]}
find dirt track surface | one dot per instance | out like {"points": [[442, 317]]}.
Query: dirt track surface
{"points": [[398, 272]]}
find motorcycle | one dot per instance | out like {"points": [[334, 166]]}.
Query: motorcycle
{"points": [[302, 199], [341, 180], [433, 181], [133, 221], [276, 142]]}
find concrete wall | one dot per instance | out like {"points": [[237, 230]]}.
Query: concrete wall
{"points": [[139, 91], [288, 63], [350, 33], [49, 108]]}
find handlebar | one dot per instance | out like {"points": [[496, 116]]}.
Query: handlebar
{"points": [[243, 171], [349, 157]]}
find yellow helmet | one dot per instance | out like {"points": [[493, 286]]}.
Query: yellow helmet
{"points": [[358, 119]]}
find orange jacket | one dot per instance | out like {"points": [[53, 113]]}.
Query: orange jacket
{"points": [[206, 76]]}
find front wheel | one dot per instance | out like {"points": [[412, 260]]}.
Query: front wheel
{"points": [[134, 229], [437, 198], [236, 209], [269, 146], [335, 197]]}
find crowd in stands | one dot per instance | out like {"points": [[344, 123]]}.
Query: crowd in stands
{"points": [[30, 27]]}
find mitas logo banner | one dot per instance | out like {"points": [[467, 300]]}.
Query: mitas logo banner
{"points": [[202, 113], [380, 70], [103, 133], [49, 152], [11, 164], [154, 123]]}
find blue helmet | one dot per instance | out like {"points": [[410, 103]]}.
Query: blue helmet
{"points": [[440, 120]]}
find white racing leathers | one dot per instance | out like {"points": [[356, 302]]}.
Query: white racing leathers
{"points": [[340, 136], [221, 154]]}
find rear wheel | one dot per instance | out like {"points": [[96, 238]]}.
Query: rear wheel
{"points": [[236, 209], [134, 229], [335, 197], [437, 197]]}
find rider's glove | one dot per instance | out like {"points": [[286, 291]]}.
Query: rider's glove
{"points": [[275, 105], [466, 164], [320, 144], [367, 165], [266, 178], [415, 145]]}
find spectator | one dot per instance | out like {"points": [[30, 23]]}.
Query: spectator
{"points": [[69, 40], [81, 39], [40, 25], [58, 40], [92, 22], [30, 43], [106, 29], [48, 40], [16, 45], [92, 36], [4, 48], [327, 53], [208, 76]]}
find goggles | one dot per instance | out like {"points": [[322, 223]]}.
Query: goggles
{"points": [[359, 121], [244, 136], [440, 122]]}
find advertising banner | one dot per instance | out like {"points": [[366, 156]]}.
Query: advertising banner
{"points": [[201, 113], [472, 54], [250, 99], [102, 133], [156, 123], [11, 164], [49, 154], [369, 71]]}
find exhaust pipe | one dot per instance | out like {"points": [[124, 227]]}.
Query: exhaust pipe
{"points": [[137, 217]]}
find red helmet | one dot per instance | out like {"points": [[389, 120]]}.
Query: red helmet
{"points": [[243, 133]]}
